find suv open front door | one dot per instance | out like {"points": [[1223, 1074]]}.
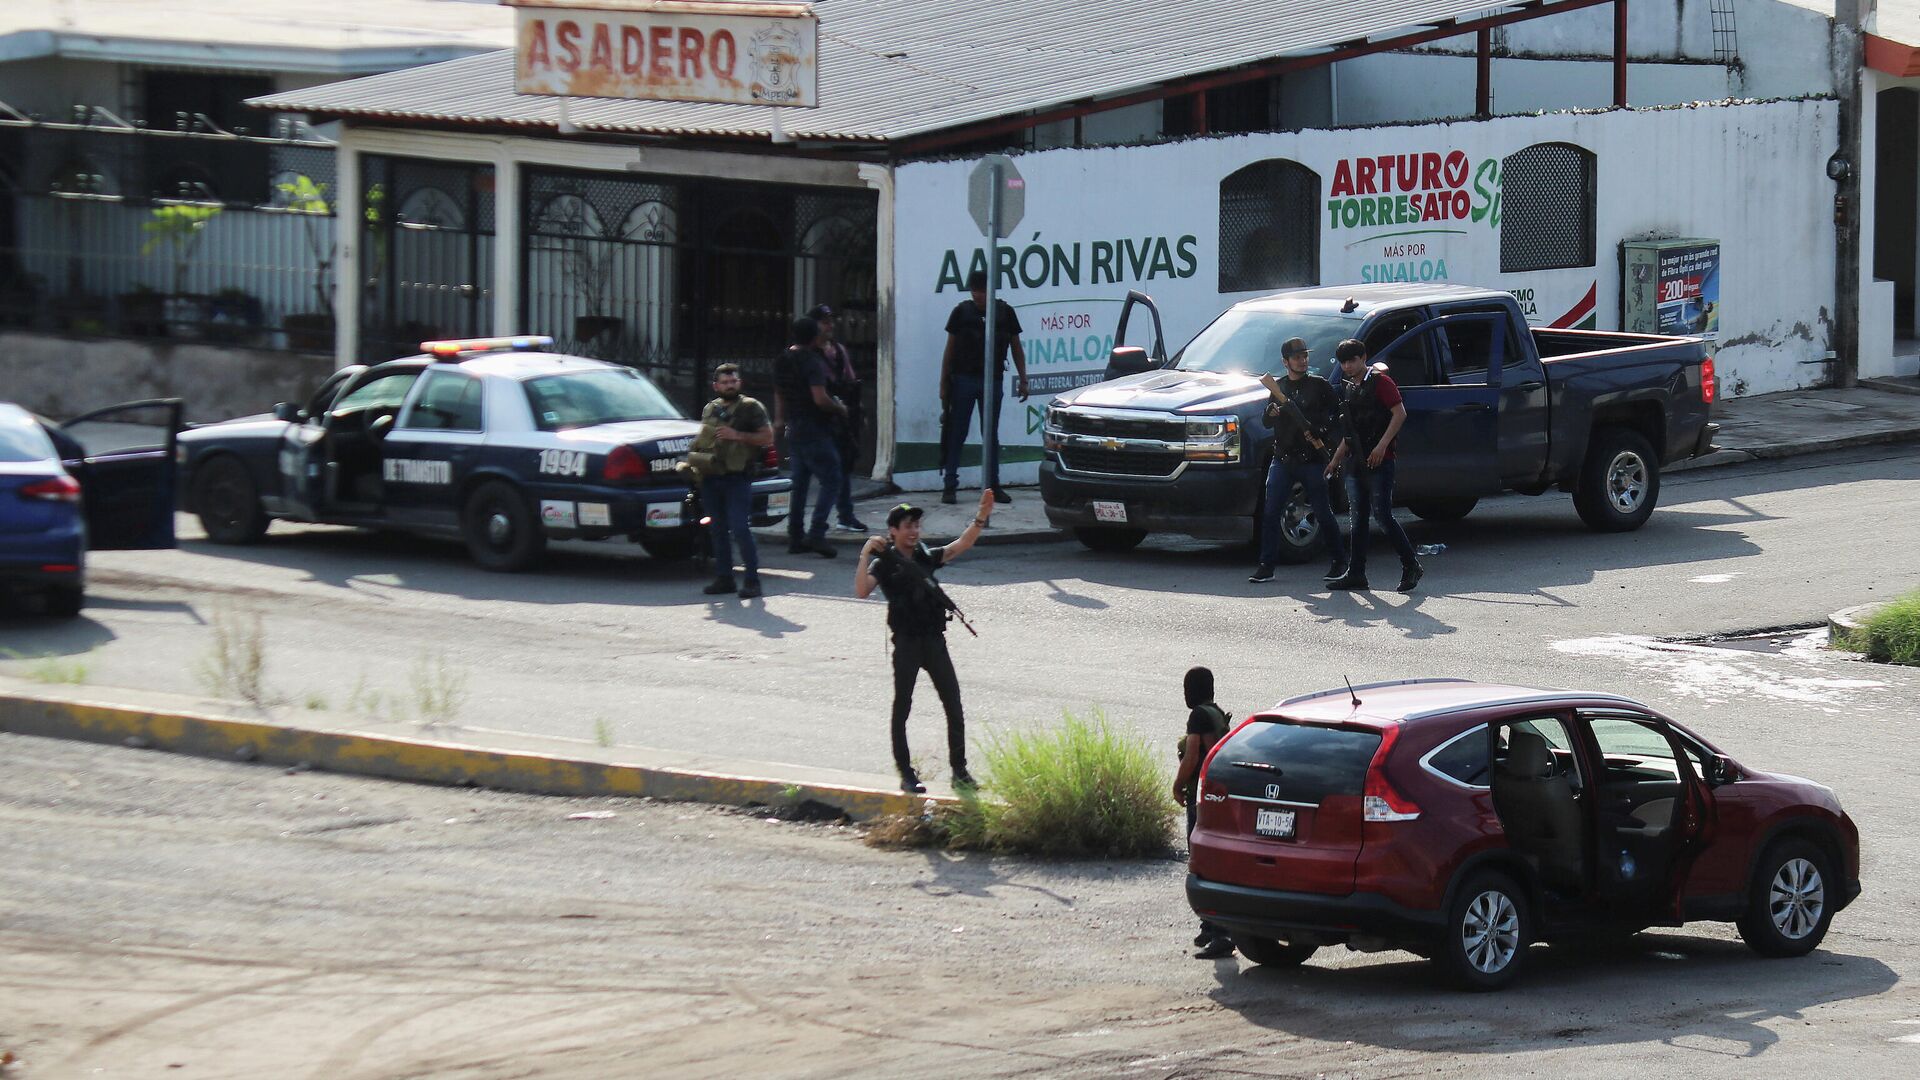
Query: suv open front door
{"points": [[123, 457], [1653, 814]]}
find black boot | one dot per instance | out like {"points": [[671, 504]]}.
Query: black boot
{"points": [[1353, 579], [719, 587], [910, 783], [1410, 576]]}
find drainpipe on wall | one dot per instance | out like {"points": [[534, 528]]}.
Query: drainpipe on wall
{"points": [[348, 211], [1844, 168], [880, 178]]}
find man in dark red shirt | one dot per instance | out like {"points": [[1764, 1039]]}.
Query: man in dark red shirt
{"points": [[1371, 406]]}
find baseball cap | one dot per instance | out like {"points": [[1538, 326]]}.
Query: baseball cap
{"points": [[820, 311], [902, 512]]}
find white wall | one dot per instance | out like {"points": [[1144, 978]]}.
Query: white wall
{"points": [[1750, 175]]}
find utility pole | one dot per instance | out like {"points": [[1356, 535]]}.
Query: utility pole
{"points": [[1844, 169]]}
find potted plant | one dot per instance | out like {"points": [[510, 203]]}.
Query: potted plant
{"points": [[312, 331]]}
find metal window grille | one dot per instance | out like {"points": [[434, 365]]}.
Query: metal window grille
{"points": [[674, 277], [108, 228], [1269, 227], [1547, 208]]}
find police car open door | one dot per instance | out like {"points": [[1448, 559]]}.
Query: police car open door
{"points": [[123, 457]]}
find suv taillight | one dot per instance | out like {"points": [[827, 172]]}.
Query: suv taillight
{"points": [[53, 489], [623, 465], [770, 459], [1706, 380], [1380, 802]]}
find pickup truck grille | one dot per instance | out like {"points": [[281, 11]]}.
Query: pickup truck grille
{"points": [[1120, 462], [1122, 428]]}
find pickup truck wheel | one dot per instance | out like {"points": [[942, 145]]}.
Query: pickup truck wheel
{"points": [[227, 502], [1114, 540], [1443, 509], [1300, 535], [501, 531], [1619, 482]]}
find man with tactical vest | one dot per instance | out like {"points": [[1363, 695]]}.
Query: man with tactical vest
{"points": [[1303, 416], [1373, 414], [734, 430], [917, 612]]}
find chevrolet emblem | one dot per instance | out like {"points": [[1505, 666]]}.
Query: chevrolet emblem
{"points": [[1111, 444]]}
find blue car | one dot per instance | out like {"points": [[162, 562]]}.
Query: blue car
{"points": [[103, 481], [493, 441]]}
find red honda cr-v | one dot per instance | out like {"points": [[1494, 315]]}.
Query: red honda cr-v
{"points": [[1466, 821]]}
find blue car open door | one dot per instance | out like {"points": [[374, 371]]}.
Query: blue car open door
{"points": [[123, 457]]}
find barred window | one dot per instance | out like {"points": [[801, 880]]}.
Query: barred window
{"points": [[1269, 227], [1546, 208]]}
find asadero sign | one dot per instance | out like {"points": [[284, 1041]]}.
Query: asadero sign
{"points": [[654, 52], [747, 54]]}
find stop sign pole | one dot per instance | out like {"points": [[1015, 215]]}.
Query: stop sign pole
{"points": [[997, 199]]}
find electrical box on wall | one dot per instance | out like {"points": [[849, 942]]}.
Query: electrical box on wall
{"points": [[1670, 287]]}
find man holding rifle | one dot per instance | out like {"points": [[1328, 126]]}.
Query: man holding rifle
{"points": [[1304, 415]]}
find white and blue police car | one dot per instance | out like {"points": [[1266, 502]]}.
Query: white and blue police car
{"points": [[492, 440]]}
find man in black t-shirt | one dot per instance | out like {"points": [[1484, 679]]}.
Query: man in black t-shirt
{"points": [[963, 377], [807, 412], [902, 567], [1207, 724]]}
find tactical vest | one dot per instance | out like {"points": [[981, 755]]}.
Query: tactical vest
{"points": [[731, 457], [1365, 417]]}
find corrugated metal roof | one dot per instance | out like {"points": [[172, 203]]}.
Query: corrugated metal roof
{"points": [[890, 69]]}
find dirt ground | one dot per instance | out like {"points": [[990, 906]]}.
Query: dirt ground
{"points": [[168, 917]]}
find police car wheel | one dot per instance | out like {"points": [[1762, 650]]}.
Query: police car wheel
{"points": [[227, 502], [501, 531]]}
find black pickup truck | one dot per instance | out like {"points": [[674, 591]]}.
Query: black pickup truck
{"points": [[1177, 445]]}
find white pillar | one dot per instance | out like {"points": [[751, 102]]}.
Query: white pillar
{"points": [[506, 242], [348, 214], [880, 178]]}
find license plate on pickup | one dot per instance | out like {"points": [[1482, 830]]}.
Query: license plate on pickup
{"points": [[1110, 511], [779, 502], [1273, 822]]}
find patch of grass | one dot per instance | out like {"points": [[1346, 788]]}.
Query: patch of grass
{"points": [[1892, 634], [439, 689], [1081, 789], [52, 669], [602, 731], [236, 664], [315, 701]]}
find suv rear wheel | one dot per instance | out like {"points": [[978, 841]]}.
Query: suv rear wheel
{"points": [[1790, 903], [1488, 929], [1268, 952]]}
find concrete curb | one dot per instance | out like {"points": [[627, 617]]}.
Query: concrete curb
{"points": [[420, 760], [1845, 624]]}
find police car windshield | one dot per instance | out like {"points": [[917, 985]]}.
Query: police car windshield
{"points": [[580, 399], [1248, 340]]}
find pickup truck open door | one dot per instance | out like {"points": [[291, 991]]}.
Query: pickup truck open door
{"points": [[1448, 448]]}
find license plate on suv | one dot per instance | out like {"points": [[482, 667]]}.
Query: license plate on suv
{"points": [[1109, 511], [1273, 823]]}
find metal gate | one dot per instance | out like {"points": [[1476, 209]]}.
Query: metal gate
{"points": [[427, 253]]}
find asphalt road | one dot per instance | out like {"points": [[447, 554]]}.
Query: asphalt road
{"points": [[607, 644], [237, 921]]}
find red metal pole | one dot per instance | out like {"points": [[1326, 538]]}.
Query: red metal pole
{"points": [[1619, 54], [1200, 113], [1483, 87]]}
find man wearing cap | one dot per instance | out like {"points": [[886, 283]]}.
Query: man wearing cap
{"points": [[917, 609], [843, 383], [807, 412], [963, 377]]}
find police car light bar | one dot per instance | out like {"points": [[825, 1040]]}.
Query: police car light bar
{"points": [[456, 346]]}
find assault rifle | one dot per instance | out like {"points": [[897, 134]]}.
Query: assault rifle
{"points": [[1292, 408]]}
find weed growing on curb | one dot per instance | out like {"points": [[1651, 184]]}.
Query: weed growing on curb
{"points": [[52, 669], [1892, 634], [315, 701], [236, 664], [439, 689], [1081, 789], [602, 731]]}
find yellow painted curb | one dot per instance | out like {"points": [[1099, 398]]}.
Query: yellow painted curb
{"points": [[421, 760]]}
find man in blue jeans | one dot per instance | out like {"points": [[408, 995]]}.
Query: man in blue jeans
{"points": [[1302, 442], [1373, 414], [808, 413], [737, 430], [963, 378]]}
